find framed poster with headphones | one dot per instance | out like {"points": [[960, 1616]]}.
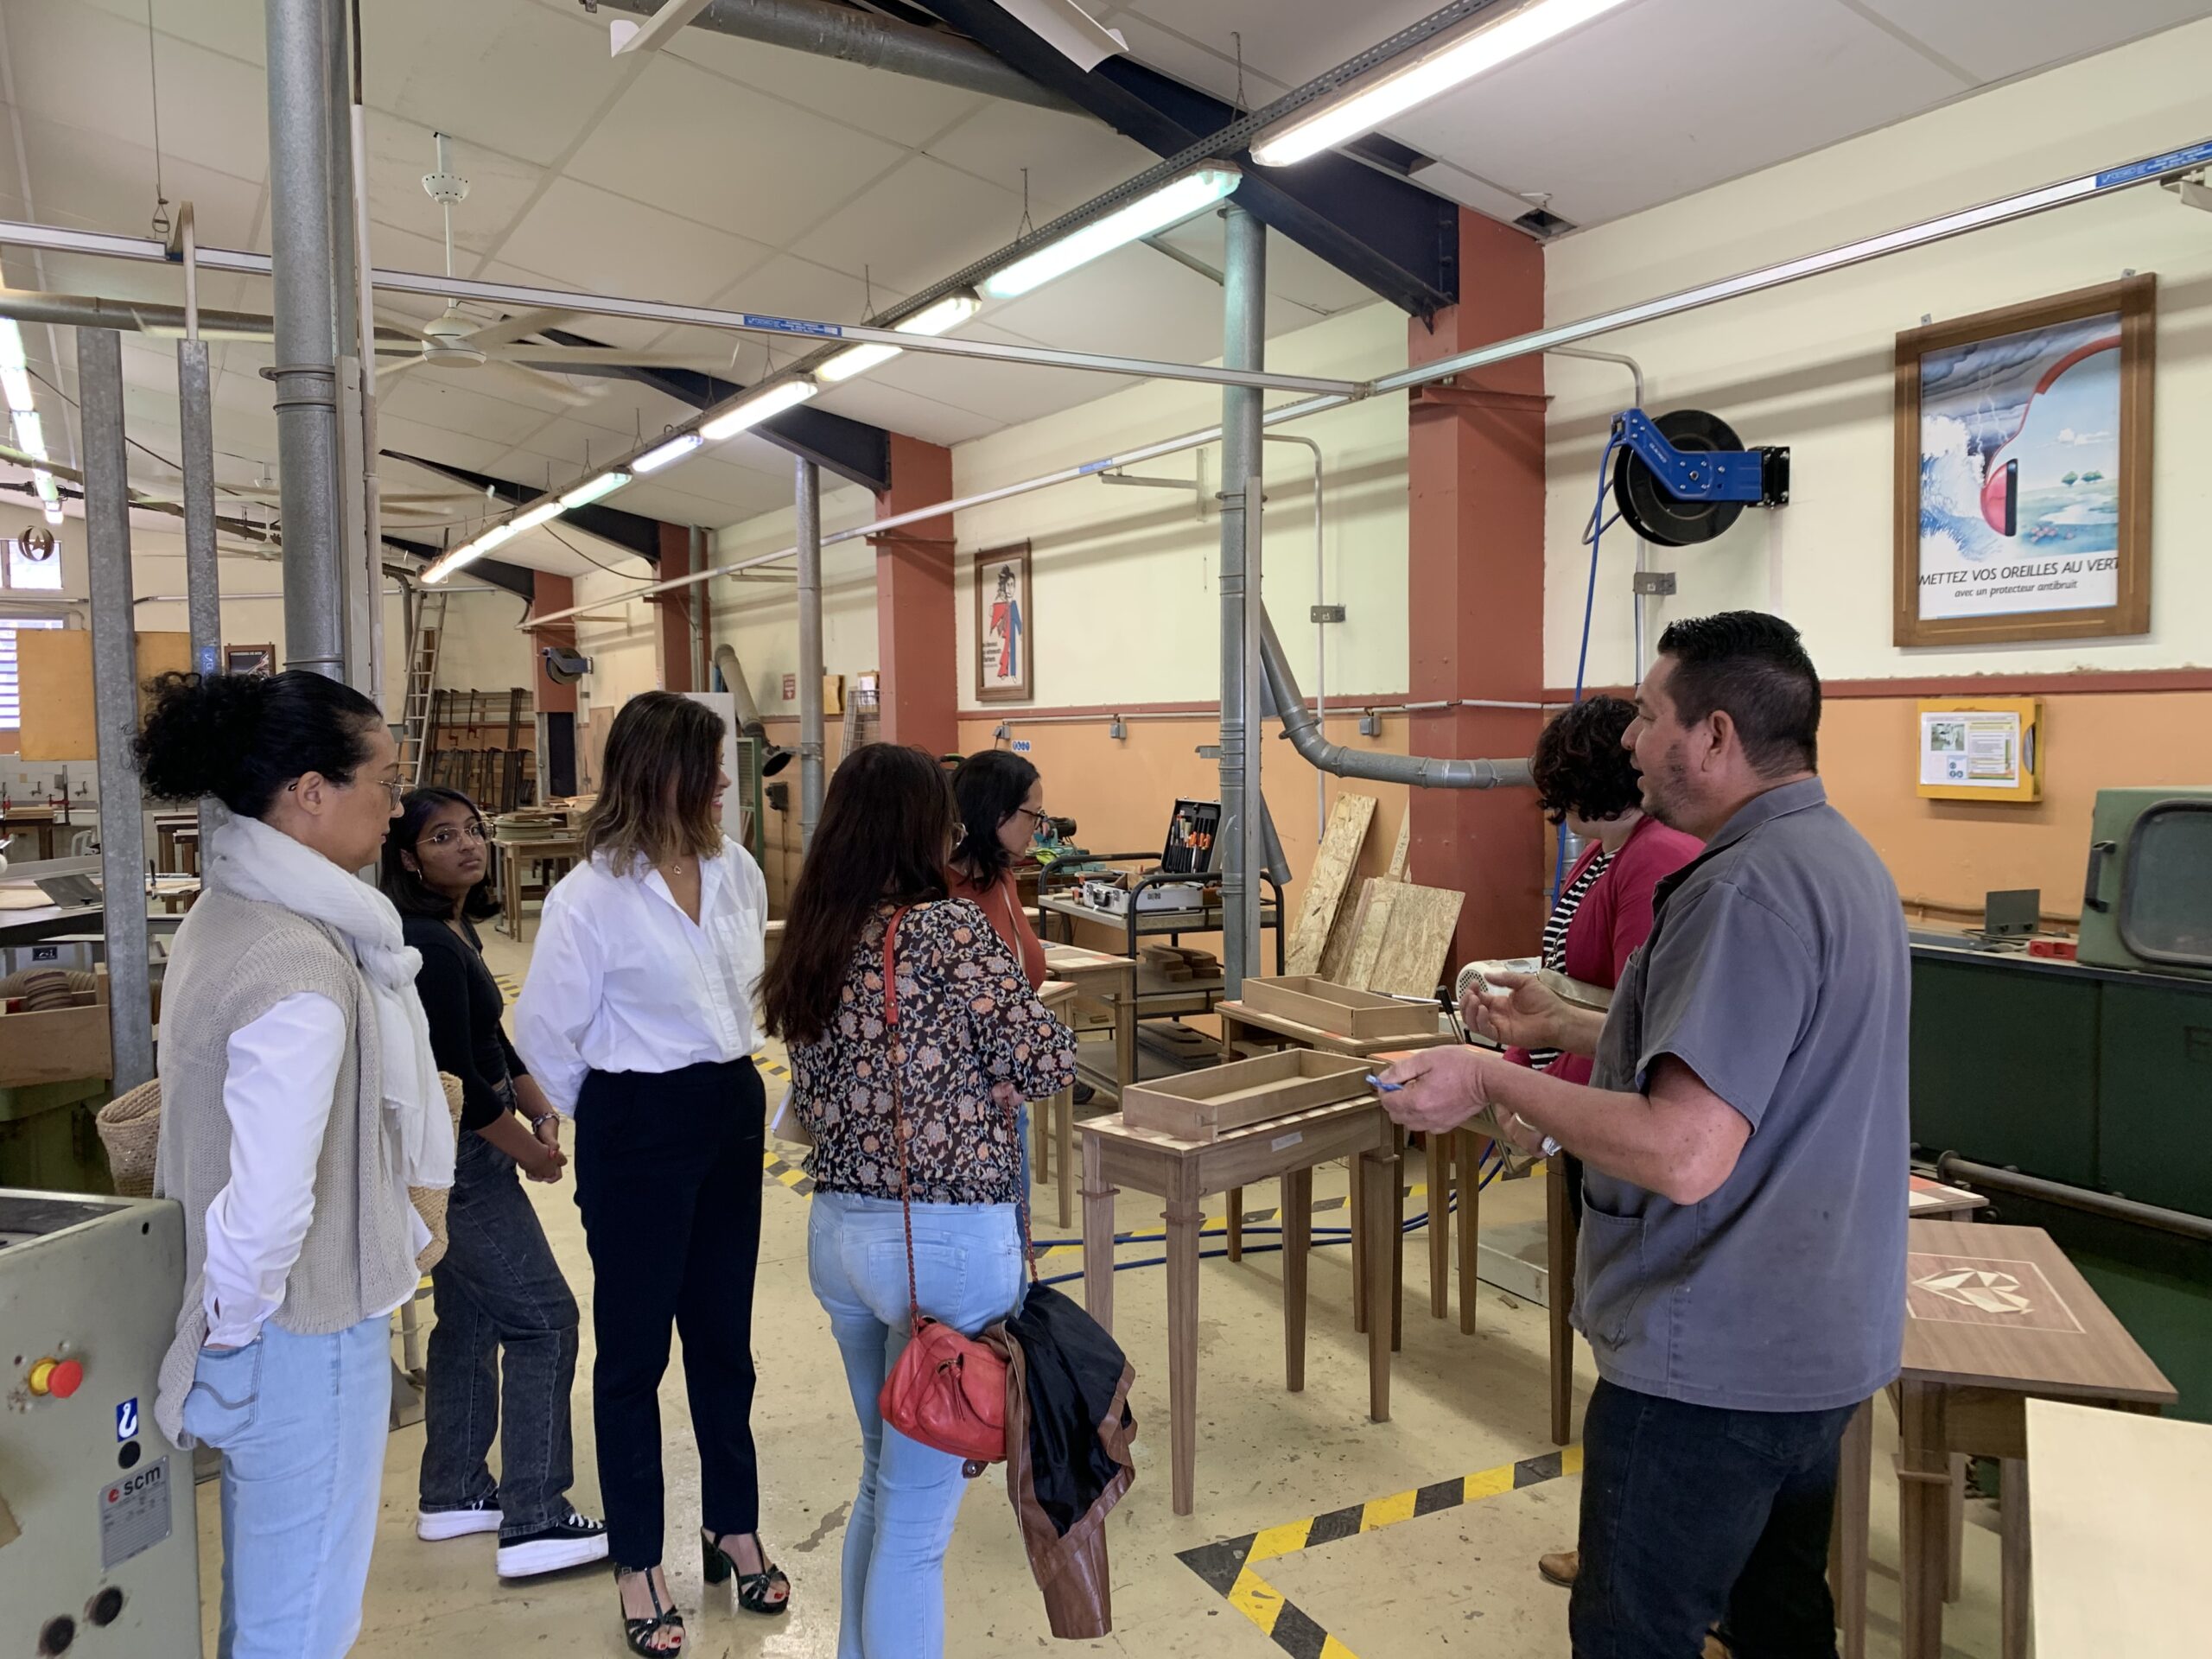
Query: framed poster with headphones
{"points": [[2024, 471]]}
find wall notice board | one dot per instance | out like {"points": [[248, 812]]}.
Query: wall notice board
{"points": [[1981, 748], [55, 670]]}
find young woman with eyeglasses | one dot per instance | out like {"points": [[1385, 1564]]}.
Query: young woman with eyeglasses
{"points": [[503, 1352], [1002, 804]]}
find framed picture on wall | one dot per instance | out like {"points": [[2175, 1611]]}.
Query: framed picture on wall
{"points": [[2024, 471], [1004, 672]]}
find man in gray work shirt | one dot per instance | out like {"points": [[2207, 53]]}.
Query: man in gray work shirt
{"points": [[1741, 1271]]}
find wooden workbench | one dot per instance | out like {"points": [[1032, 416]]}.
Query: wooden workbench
{"points": [[1184, 1173], [1995, 1317], [564, 849]]}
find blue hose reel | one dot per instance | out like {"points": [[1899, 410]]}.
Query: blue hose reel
{"points": [[1685, 476]]}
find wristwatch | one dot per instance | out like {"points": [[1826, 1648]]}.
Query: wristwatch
{"points": [[539, 1123]]}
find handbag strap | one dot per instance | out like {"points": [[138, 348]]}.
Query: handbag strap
{"points": [[898, 1124]]}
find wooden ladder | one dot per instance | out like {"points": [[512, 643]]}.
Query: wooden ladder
{"points": [[418, 716]]}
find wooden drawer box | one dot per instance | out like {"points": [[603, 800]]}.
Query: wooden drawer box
{"points": [[1204, 1105], [61, 1046], [1338, 1009]]}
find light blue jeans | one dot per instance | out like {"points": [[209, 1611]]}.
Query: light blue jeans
{"points": [[301, 1423], [968, 1269]]}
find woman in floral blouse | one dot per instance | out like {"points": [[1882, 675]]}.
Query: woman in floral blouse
{"points": [[973, 1042]]}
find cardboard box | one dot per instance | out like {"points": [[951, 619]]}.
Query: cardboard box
{"points": [[61, 1046], [1204, 1105], [1365, 1016]]}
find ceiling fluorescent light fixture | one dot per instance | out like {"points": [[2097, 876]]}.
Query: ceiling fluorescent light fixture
{"points": [[593, 490], [757, 408], [946, 315], [1169, 204], [674, 450], [1391, 89], [543, 512], [470, 552]]}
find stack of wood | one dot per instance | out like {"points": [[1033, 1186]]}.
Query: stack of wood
{"points": [[1180, 964], [1392, 936]]}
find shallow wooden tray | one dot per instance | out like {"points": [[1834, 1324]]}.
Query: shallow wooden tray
{"points": [[1204, 1105], [1338, 1009]]}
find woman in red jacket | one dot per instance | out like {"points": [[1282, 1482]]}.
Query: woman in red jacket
{"points": [[1001, 803], [1601, 918]]}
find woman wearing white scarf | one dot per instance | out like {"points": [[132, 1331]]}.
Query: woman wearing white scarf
{"points": [[299, 1102]]}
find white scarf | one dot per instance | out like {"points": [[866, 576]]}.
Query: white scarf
{"points": [[250, 859]]}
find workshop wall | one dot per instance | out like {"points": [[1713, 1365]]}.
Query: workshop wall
{"points": [[1811, 366]]}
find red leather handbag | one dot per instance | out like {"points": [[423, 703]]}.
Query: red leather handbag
{"points": [[947, 1390]]}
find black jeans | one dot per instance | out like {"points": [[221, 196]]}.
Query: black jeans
{"points": [[498, 1288], [668, 1177], [1693, 1515]]}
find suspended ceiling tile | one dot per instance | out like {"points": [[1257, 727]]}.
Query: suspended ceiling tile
{"points": [[636, 332], [1992, 42], [236, 29], [1286, 42], [518, 77], [687, 141], [1069, 158], [677, 500], [609, 243], [1134, 301], [917, 227], [107, 184], [402, 151], [437, 397], [88, 69], [1680, 115], [901, 108], [897, 410], [1006, 393], [1309, 286], [1449, 179]]}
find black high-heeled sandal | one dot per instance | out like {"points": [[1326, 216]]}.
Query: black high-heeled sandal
{"points": [[751, 1589], [640, 1632]]}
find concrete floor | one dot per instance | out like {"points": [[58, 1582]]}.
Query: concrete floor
{"points": [[1461, 1580]]}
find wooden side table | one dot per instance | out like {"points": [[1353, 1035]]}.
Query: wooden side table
{"points": [[1114, 979], [1995, 1317], [534, 849], [1052, 1120], [1184, 1173]]}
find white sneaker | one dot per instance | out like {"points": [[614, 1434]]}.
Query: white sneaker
{"points": [[435, 1526], [574, 1541]]}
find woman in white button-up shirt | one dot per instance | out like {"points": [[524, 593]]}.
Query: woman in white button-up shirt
{"points": [[636, 1018]]}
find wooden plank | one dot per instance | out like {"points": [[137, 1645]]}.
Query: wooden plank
{"points": [[1367, 949], [1416, 940], [1401, 855], [1334, 865], [1335, 960]]}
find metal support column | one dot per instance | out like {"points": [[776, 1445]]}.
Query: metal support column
{"points": [[1243, 346], [809, 505], [365, 330], [695, 601], [115, 704], [301, 94], [203, 592]]}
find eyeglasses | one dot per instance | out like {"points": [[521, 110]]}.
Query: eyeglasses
{"points": [[448, 835], [1036, 814], [395, 787]]}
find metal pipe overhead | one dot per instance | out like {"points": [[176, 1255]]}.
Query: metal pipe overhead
{"points": [[1306, 735], [874, 43], [1243, 346], [749, 723], [1952, 1167], [306, 371], [115, 704], [808, 480], [1320, 628]]}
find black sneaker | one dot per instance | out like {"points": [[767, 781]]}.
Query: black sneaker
{"points": [[434, 1526], [570, 1542]]}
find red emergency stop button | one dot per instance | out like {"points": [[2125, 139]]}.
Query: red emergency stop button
{"points": [[59, 1377]]}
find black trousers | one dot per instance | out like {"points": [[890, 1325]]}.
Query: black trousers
{"points": [[1693, 1514], [668, 1177]]}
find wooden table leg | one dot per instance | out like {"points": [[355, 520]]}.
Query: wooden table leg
{"points": [[1040, 1141], [1954, 1531], [1183, 1217], [1235, 1203], [1358, 1203], [1924, 1483], [1466, 1159], [1098, 1236], [1297, 1236], [1559, 1290], [2013, 1620], [1064, 1126], [1397, 1213], [1439, 1224], [1125, 1029], [1854, 1502], [1377, 1173]]}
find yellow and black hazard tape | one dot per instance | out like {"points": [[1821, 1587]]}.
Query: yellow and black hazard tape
{"points": [[1227, 1566], [771, 1162]]}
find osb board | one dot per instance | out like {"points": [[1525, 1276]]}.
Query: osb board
{"points": [[54, 669], [1405, 940], [1340, 1010], [1202, 1105], [1334, 865], [1335, 959], [1402, 853]]}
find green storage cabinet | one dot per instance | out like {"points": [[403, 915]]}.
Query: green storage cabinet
{"points": [[2154, 1095], [2005, 1065]]}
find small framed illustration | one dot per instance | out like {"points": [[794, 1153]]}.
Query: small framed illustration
{"points": [[1004, 670], [2024, 471]]}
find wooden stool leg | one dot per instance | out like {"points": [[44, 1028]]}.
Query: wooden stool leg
{"points": [[1854, 1502], [1924, 1481], [1377, 1172], [2013, 1621], [1184, 1217], [1559, 1290], [1098, 1236], [1439, 1150], [1466, 1159], [1358, 1213], [1297, 1238], [1064, 1120], [1235, 1223], [1954, 1531]]}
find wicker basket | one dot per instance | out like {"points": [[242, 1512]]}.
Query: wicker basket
{"points": [[130, 1128], [431, 1201]]}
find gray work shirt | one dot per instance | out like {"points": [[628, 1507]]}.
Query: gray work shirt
{"points": [[1778, 970]]}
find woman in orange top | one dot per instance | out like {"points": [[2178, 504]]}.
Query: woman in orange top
{"points": [[1001, 802]]}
